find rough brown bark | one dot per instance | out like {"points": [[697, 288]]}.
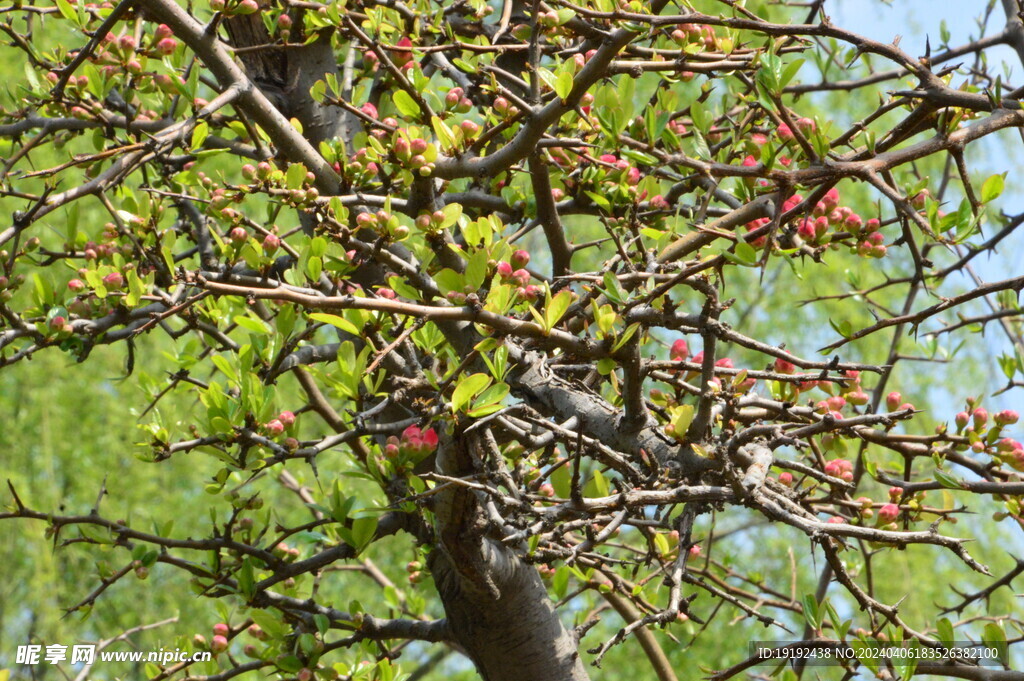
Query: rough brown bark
{"points": [[497, 606]]}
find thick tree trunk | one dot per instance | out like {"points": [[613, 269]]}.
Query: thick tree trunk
{"points": [[497, 606], [514, 633]]}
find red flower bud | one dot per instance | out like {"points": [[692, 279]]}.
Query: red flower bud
{"points": [[679, 351]]}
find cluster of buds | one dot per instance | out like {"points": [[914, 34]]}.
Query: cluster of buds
{"points": [[512, 271], [983, 436], [1011, 452], [266, 175], [59, 326], [894, 402], [360, 169], [285, 552], [697, 35], [503, 108], [385, 224], [414, 443], [284, 26], [415, 570], [283, 422], [163, 43], [219, 642], [456, 101], [236, 7], [549, 22], [430, 222], [622, 171], [94, 252], [840, 468], [415, 154]]}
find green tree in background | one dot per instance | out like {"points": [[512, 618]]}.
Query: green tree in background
{"points": [[508, 340]]}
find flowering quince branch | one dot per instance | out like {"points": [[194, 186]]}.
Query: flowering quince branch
{"points": [[323, 224]]}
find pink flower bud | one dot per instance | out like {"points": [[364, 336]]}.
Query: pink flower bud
{"points": [[786, 478], [892, 400], [980, 417], [784, 132], [76, 285], [369, 109], [167, 46], [219, 644], [784, 367], [505, 269], [271, 242], [238, 235], [1005, 417], [888, 513], [113, 281], [221, 629], [274, 427], [519, 259], [806, 124], [287, 418]]}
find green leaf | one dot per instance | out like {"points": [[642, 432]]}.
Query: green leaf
{"points": [[563, 84], [790, 71], [363, 529], [556, 308], [946, 480], [251, 324], [476, 270], [443, 133], [67, 11], [269, 623], [296, 176], [992, 188], [405, 104], [994, 636], [467, 389], [334, 320], [944, 628], [199, 135], [811, 612], [452, 213]]}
